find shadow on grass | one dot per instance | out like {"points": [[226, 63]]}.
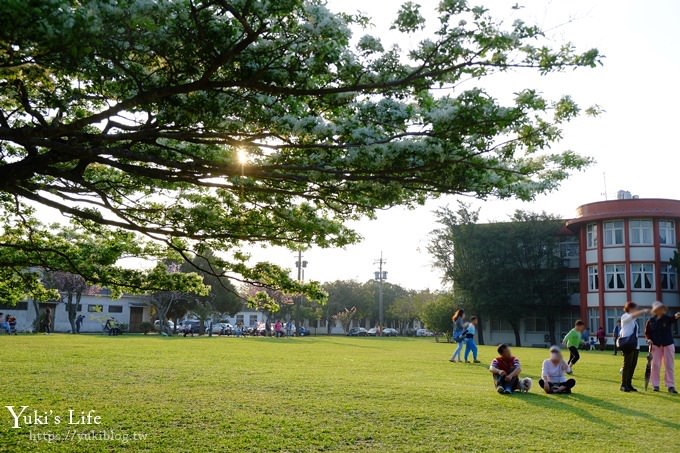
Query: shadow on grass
{"points": [[580, 400], [622, 410], [559, 402]]}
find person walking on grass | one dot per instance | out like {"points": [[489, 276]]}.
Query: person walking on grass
{"points": [[470, 345], [552, 374], [572, 341], [617, 334], [629, 328], [659, 334], [458, 328]]}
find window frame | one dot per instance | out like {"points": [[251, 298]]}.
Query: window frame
{"points": [[591, 236], [593, 279], [612, 231], [670, 230], [619, 271], [593, 315], [642, 272], [635, 226], [672, 274]]}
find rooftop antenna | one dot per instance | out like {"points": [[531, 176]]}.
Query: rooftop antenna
{"points": [[604, 180]]}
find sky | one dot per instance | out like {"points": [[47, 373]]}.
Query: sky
{"points": [[633, 141]]}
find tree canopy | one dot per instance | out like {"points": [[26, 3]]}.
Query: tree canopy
{"points": [[217, 124], [504, 270]]}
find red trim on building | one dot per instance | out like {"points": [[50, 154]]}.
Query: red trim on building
{"points": [[600, 268], [657, 259], [583, 265], [615, 209]]}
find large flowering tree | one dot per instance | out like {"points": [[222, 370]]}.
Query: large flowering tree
{"points": [[132, 115]]}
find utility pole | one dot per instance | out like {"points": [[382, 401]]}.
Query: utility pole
{"points": [[380, 277], [301, 265]]}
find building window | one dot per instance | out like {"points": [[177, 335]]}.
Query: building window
{"points": [[669, 278], [239, 319], [500, 325], [641, 232], [613, 233], [535, 325], [593, 319], [95, 308], [79, 307], [572, 284], [642, 275], [591, 235], [115, 309], [593, 279], [667, 232], [615, 276], [252, 320], [613, 315]]}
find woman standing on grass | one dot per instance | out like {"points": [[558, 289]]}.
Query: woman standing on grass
{"points": [[458, 328], [659, 334], [470, 344], [629, 328]]}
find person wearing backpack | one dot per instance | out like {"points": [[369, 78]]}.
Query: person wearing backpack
{"points": [[628, 344]]}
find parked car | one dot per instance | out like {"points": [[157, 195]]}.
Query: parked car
{"points": [[390, 332], [304, 332], [222, 328], [424, 333], [169, 324], [189, 326], [357, 332], [372, 332]]}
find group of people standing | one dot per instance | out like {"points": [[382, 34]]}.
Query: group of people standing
{"points": [[506, 368], [464, 334], [659, 335]]}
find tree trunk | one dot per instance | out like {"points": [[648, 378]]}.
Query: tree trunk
{"points": [[518, 339], [551, 330], [36, 322], [480, 330], [71, 309]]}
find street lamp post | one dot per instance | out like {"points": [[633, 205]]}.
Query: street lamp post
{"points": [[301, 265], [380, 277]]}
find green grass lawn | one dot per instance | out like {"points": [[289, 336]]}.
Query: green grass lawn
{"points": [[315, 394]]}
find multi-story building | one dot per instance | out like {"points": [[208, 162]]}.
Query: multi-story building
{"points": [[625, 250], [613, 251]]}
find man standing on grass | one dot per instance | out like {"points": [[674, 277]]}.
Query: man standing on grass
{"points": [[573, 340], [505, 369]]}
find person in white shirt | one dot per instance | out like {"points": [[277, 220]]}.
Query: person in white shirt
{"points": [[630, 355], [553, 379]]}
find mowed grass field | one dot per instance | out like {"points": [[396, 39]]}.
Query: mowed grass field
{"points": [[313, 394]]}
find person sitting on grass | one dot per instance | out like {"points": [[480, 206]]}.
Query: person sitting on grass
{"points": [[573, 340], [469, 335], [505, 369], [552, 374]]}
